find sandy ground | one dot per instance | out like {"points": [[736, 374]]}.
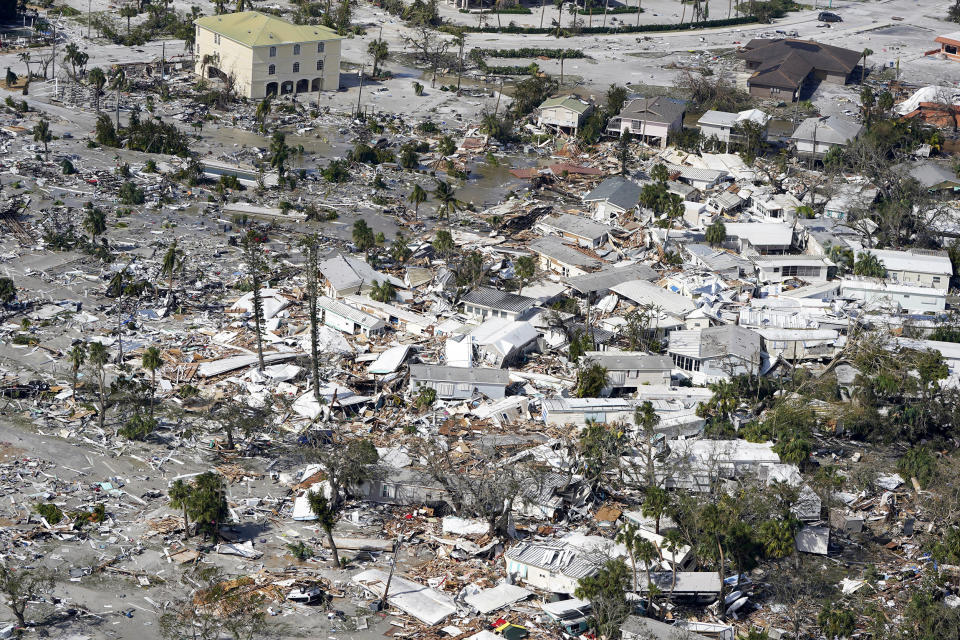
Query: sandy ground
{"points": [[628, 58]]}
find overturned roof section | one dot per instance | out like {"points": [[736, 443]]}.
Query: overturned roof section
{"points": [[555, 248], [643, 292], [255, 29], [577, 225], [438, 373]]}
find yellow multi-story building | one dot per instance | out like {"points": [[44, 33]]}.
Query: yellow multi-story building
{"points": [[266, 55]]}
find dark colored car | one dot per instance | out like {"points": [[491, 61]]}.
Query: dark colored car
{"points": [[829, 16]]}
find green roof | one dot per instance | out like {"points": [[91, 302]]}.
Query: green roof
{"points": [[568, 102], [256, 29]]}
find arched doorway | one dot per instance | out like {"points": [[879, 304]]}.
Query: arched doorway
{"points": [[271, 89], [302, 85], [317, 84], [286, 87]]}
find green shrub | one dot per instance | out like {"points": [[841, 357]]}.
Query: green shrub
{"points": [[50, 512], [300, 551], [139, 427]]}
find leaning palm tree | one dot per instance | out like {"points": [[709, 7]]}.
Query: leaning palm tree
{"points": [[446, 197], [417, 197]]}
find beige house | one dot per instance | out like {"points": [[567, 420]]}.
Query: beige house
{"points": [[266, 55]]}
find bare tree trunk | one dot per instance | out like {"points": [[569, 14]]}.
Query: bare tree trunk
{"points": [[333, 549]]}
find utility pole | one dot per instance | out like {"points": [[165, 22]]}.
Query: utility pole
{"points": [[54, 58], [499, 93], [561, 69], [393, 566], [460, 62], [89, 19], [360, 92]]}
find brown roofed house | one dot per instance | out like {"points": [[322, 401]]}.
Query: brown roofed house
{"points": [[783, 67]]}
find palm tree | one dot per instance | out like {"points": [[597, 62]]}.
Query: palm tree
{"points": [[628, 538], [77, 356], [363, 236], [263, 110], [863, 67], [417, 197], [716, 233], [446, 199], [95, 223], [128, 11], [97, 80], [524, 269], [379, 51], [41, 134], [172, 262], [869, 265], [673, 542], [382, 291], [646, 552], [25, 59], [117, 80], [655, 503], [152, 361], [179, 494]]}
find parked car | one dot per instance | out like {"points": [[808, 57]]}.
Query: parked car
{"points": [[829, 16]]}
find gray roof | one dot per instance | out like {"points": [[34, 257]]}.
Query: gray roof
{"points": [[828, 130], [718, 119], [496, 299], [714, 342], [630, 361], [470, 375], [931, 174], [650, 629], [577, 225], [617, 191], [659, 109], [344, 272], [555, 248], [611, 276]]}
